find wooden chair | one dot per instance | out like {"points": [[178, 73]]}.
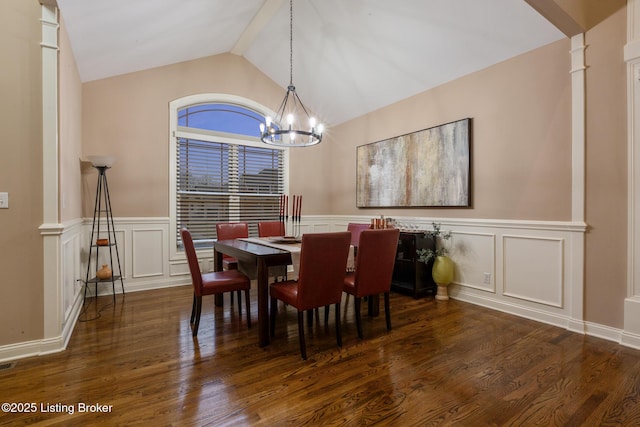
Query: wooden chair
{"points": [[216, 282], [374, 268], [270, 228], [323, 262]]}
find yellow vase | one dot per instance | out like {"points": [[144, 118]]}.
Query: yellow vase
{"points": [[442, 273]]}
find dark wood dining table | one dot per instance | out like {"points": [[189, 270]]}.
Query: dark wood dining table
{"points": [[254, 260]]}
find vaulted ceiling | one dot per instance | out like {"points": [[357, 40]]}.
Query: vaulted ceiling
{"points": [[350, 57]]}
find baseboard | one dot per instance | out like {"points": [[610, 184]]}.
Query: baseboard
{"points": [[147, 285], [581, 327], [511, 308], [630, 340]]}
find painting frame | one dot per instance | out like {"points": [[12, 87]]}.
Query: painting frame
{"points": [[427, 168]]}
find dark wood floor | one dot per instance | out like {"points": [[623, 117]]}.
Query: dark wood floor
{"points": [[444, 363]]}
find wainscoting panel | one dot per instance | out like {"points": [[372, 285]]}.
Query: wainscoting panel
{"points": [[143, 246], [321, 227], [145, 242], [533, 269], [475, 259], [72, 270]]}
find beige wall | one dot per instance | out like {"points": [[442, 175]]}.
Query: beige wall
{"points": [[606, 198], [521, 156], [128, 116], [70, 141], [21, 257], [521, 143]]}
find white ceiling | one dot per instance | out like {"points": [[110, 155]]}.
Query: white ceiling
{"points": [[350, 57]]}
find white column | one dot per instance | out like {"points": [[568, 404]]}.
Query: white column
{"points": [[631, 333], [578, 128], [578, 131], [50, 228]]}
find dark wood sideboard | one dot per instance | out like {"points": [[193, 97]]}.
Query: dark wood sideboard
{"points": [[411, 276]]}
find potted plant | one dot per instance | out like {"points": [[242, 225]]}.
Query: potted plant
{"points": [[443, 268]]}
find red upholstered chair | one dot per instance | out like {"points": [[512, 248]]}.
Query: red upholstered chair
{"points": [[323, 262], [374, 268], [270, 228], [273, 229], [228, 231], [355, 230], [212, 283]]}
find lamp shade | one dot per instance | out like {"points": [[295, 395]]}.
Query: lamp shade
{"points": [[101, 161]]}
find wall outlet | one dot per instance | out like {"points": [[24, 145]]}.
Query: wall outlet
{"points": [[486, 278], [4, 200]]}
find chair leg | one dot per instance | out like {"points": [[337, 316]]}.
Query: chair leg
{"points": [[357, 301], [193, 309], [247, 302], [198, 312], [303, 346], [310, 318], [387, 311], [338, 327], [272, 316], [326, 314], [239, 305]]}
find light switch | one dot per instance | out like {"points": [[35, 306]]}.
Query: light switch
{"points": [[4, 200]]}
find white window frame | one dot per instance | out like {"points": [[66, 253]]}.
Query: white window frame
{"points": [[207, 135]]}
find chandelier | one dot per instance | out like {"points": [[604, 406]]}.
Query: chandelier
{"points": [[295, 133]]}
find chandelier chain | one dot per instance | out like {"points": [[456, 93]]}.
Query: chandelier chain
{"points": [[293, 133], [290, 42]]}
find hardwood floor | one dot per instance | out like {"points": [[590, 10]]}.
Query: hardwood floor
{"points": [[444, 363]]}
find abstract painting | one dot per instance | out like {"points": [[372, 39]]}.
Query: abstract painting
{"points": [[427, 168]]}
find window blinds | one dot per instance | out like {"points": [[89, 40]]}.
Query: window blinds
{"points": [[222, 182]]}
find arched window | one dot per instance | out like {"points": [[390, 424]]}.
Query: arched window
{"points": [[220, 170]]}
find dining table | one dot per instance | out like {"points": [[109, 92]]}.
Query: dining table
{"points": [[254, 260]]}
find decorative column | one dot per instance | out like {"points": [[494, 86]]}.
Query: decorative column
{"points": [[631, 333], [50, 229], [578, 132]]}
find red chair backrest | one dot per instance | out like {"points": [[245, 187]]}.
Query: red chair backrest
{"points": [[192, 258], [231, 230], [375, 261], [323, 263], [355, 230], [270, 228]]}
